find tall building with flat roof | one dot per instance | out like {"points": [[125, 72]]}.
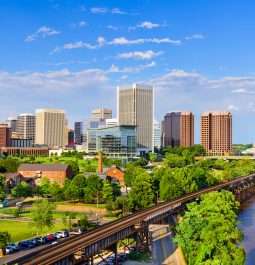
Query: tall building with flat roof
{"points": [[50, 127], [26, 126], [136, 107], [178, 129], [216, 132], [5, 135], [78, 129], [102, 113], [157, 133]]}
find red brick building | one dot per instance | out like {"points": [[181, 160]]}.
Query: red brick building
{"points": [[5, 136], [116, 173], [53, 172]]}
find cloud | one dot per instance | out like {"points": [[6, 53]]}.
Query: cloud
{"points": [[135, 69], [112, 27], [137, 55], [101, 41], [104, 10], [232, 107], [242, 91], [145, 24], [195, 37], [82, 23], [42, 32]]}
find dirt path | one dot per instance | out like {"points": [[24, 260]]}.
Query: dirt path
{"points": [[76, 208]]}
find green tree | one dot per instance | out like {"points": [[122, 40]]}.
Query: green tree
{"points": [[152, 156], [173, 160], [69, 219], [3, 187], [80, 182], [42, 215], [141, 195], [22, 190], [45, 186], [56, 191], [209, 234], [107, 191], [70, 191], [5, 239], [74, 167], [92, 192], [131, 172]]}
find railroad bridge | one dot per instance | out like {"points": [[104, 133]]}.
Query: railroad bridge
{"points": [[82, 248]]}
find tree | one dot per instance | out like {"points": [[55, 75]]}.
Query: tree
{"points": [[131, 172], [70, 191], [74, 167], [3, 187], [56, 191], [42, 215], [173, 160], [22, 190], [107, 191], [93, 189], [84, 222], [152, 157], [9, 165], [209, 234], [68, 219], [45, 186], [141, 195], [5, 239], [80, 182]]}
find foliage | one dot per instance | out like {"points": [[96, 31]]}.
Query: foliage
{"points": [[5, 238], [15, 212], [131, 172], [84, 222], [173, 160], [141, 195], [9, 165], [68, 219], [45, 186], [22, 190], [42, 215], [209, 234], [152, 157], [56, 192], [92, 191], [3, 187], [74, 167], [70, 191], [80, 182]]}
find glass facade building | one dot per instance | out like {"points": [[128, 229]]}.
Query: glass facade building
{"points": [[117, 141]]}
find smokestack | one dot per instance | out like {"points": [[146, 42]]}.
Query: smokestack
{"points": [[100, 163]]}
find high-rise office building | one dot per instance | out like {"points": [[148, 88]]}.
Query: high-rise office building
{"points": [[216, 132], [101, 113], [136, 107], [50, 127], [5, 135], [113, 121], [26, 126], [12, 121], [178, 129], [157, 133], [78, 129]]}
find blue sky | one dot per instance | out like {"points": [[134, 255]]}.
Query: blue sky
{"points": [[71, 55]]}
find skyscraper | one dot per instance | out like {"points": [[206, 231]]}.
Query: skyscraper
{"points": [[101, 113], [50, 127], [157, 133], [178, 129], [136, 107], [26, 126], [5, 135], [216, 132], [78, 129]]}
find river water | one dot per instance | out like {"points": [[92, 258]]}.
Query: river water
{"points": [[247, 219]]}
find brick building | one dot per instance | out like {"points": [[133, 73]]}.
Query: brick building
{"points": [[53, 172], [5, 135], [115, 173]]}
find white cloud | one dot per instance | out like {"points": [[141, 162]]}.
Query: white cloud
{"points": [[117, 41], [146, 25], [138, 55], [232, 107], [82, 24], [242, 91], [41, 32], [195, 37], [104, 10], [112, 27]]}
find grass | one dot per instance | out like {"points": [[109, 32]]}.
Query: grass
{"points": [[23, 230], [100, 205], [61, 160]]}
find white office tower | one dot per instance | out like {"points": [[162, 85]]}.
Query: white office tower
{"points": [[26, 126], [157, 133], [136, 107], [50, 127]]}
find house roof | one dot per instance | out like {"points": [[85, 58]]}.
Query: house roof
{"points": [[11, 175], [43, 167]]}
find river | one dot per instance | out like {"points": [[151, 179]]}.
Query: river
{"points": [[247, 218]]}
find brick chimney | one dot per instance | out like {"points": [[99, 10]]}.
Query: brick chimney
{"points": [[100, 163]]}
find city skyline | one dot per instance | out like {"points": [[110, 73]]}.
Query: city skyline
{"points": [[73, 55]]}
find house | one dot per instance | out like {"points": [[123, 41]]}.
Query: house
{"points": [[53, 172], [116, 174], [13, 180]]}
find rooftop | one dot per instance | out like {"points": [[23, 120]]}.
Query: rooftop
{"points": [[46, 167]]}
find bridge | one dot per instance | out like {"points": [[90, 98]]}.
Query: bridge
{"points": [[82, 248]]}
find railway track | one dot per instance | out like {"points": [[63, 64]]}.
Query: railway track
{"points": [[70, 246]]}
